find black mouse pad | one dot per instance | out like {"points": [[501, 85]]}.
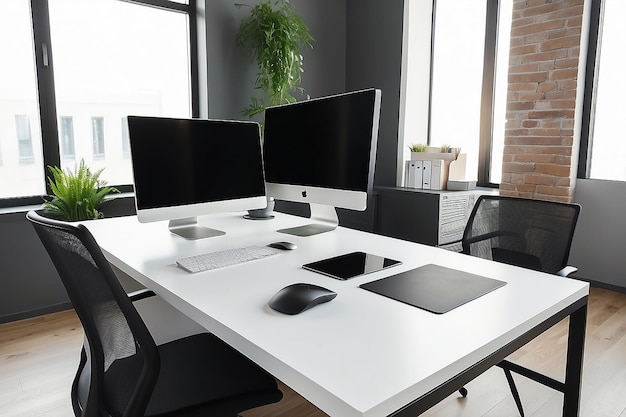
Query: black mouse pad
{"points": [[434, 288], [350, 265]]}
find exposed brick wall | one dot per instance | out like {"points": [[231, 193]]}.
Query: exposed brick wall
{"points": [[543, 80]]}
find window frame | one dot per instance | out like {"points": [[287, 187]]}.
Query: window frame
{"points": [[125, 139], [67, 147], [588, 112], [488, 91], [97, 137], [24, 137], [487, 96], [44, 69]]}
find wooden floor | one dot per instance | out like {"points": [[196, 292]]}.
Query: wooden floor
{"points": [[38, 358]]}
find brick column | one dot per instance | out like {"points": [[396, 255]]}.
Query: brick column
{"points": [[539, 148]]}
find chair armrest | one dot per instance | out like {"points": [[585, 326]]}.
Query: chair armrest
{"points": [[490, 235], [141, 294], [567, 271], [454, 246]]}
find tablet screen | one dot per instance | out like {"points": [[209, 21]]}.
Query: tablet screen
{"points": [[351, 265]]}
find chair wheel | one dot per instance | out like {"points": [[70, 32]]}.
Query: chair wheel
{"points": [[463, 392]]}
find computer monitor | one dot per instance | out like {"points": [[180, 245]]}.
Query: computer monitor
{"points": [[322, 152], [184, 168]]}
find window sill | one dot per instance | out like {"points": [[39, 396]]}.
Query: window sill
{"points": [[25, 209]]}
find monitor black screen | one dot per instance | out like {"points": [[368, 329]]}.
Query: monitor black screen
{"points": [[324, 142], [189, 167]]}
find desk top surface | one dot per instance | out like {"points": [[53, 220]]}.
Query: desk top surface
{"points": [[361, 354]]}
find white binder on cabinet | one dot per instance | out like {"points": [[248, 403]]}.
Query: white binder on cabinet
{"points": [[413, 174], [427, 174], [419, 180], [439, 174], [409, 174]]}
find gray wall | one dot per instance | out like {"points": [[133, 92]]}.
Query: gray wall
{"points": [[29, 285], [231, 71], [598, 248], [358, 45], [373, 59]]}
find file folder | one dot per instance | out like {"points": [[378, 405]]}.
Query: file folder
{"points": [[426, 174]]}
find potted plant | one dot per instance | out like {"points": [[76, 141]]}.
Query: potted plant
{"points": [[416, 148], [76, 195], [274, 34]]}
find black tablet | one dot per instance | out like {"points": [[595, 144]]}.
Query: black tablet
{"points": [[351, 265]]}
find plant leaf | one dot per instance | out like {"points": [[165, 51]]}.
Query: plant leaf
{"points": [[274, 35], [76, 195]]}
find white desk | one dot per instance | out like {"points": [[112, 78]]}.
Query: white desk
{"points": [[361, 354]]}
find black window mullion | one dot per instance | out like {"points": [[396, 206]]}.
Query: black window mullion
{"points": [[45, 85], [165, 4], [488, 91], [432, 70], [593, 54], [193, 59]]}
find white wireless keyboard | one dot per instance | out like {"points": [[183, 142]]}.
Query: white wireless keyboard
{"points": [[227, 257]]}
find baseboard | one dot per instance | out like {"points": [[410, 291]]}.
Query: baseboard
{"points": [[34, 313], [604, 285]]}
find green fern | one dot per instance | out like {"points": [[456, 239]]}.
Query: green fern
{"points": [[274, 35], [76, 195]]}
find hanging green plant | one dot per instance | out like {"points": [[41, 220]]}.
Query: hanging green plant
{"points": [[274, 35], [76, 195]]}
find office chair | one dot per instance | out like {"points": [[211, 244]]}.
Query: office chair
{"points": [[122, 372], [533, 234]]}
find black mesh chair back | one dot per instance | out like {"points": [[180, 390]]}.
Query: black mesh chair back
{"points": [[121, 360], [533, 234], [123, 373]]}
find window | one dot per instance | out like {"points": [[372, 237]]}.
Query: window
{"points": [[93, 72], [18, 100], [66, 137], [97, 136], [602, 137], [465, 96], [501, 84], [457, 74], [125, 139], [24, 138]]}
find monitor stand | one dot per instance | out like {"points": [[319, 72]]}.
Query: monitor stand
{"points": [[190, 229], [325, 218]]}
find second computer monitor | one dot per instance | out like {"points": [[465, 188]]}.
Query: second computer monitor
{"points": [[322, 152], [184, 168]]}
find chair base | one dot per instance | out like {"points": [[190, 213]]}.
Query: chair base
{"points": [[512, 386]]}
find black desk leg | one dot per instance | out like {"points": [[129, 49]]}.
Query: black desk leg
{"points": [[574, 366]]}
